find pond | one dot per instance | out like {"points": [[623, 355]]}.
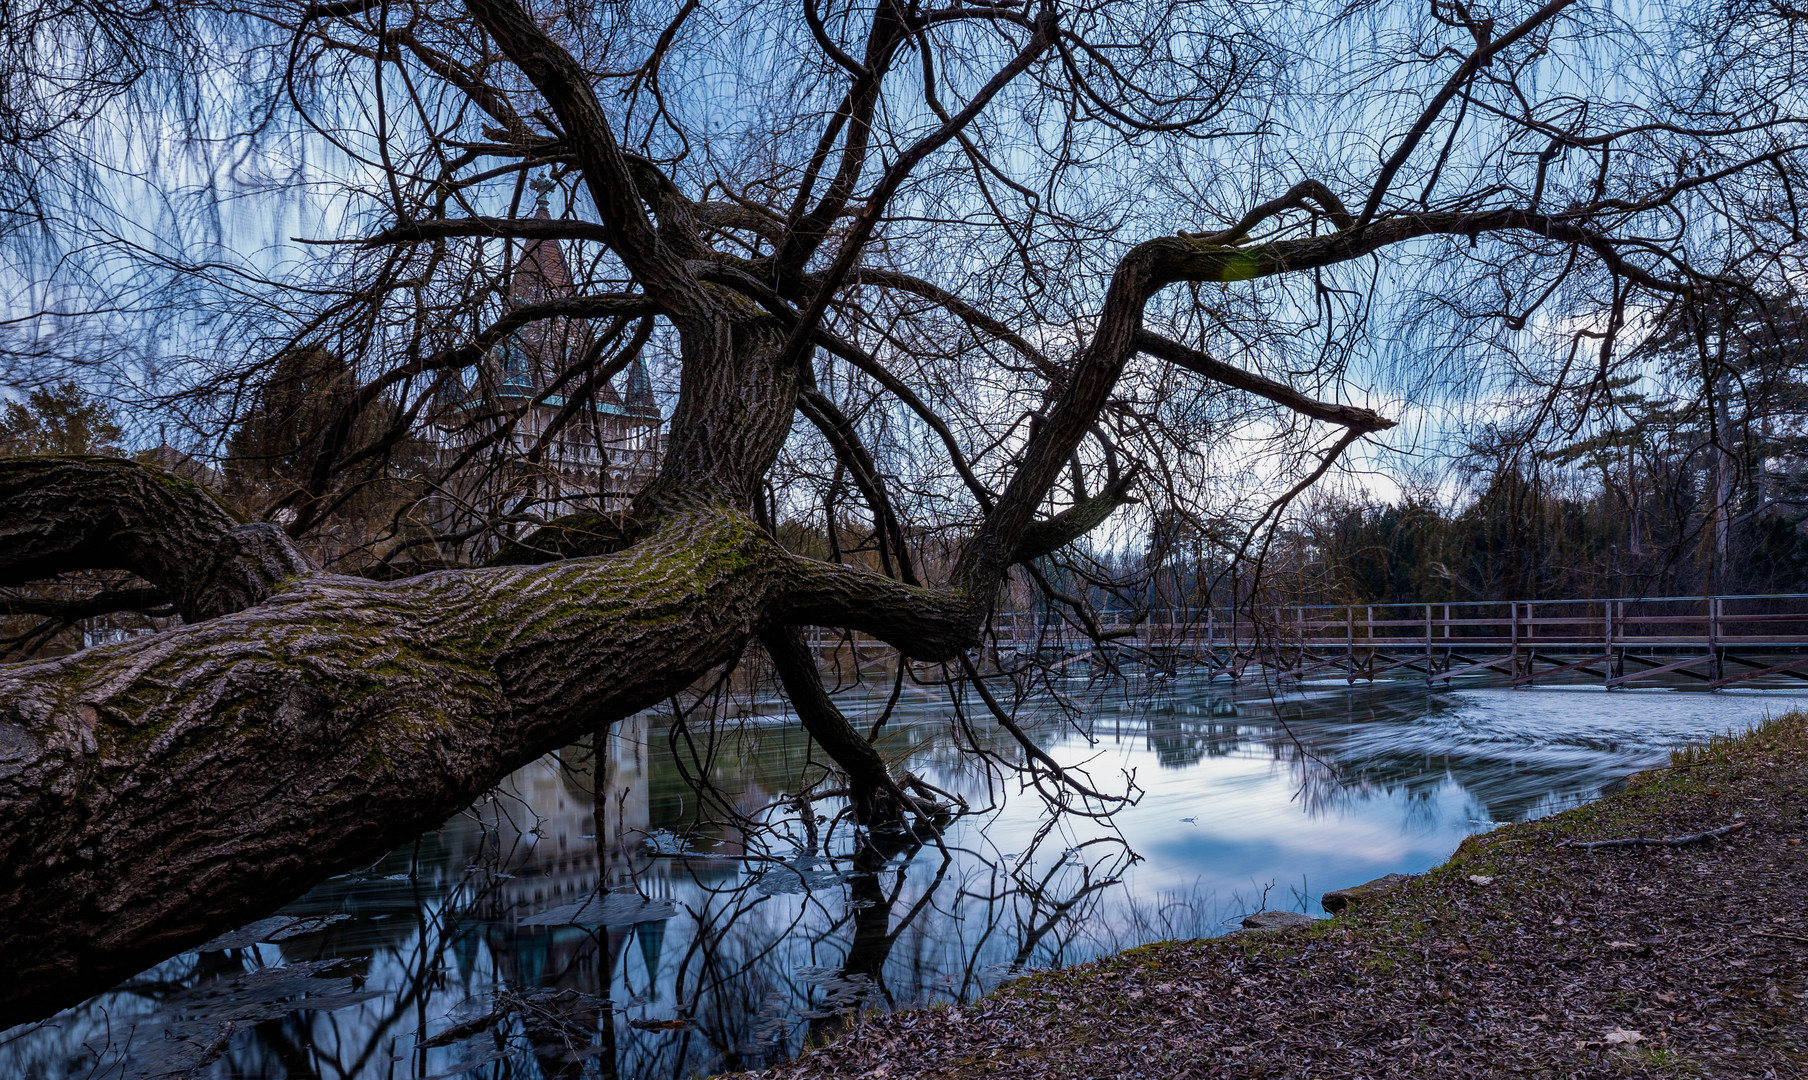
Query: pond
{"points": [[509, 944]]}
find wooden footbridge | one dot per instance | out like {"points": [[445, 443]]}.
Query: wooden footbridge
{"points": [[1709, 641]]}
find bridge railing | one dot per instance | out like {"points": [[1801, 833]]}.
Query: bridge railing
{"points": [[1774, 619], [1704, 622], [1738, 637]]}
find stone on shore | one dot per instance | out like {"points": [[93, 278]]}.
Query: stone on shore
{"points": [[1277, 920], [1338, 899]]}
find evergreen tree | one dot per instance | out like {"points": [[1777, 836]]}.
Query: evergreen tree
{"points": [[61, 420]]}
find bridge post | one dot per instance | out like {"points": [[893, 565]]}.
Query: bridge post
{"points": [[1299, 631], [1717, 665], [1607, 642], [1513, 638], [1349, 632], [1620, 660], [1369, 664], [1428, 661], [1531, 631]]}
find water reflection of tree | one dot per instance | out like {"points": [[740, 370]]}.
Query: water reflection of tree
{"points": [[1179, 742], [564, 996], [870, 906], [1345, 748], [734, 995], [437, 927]]}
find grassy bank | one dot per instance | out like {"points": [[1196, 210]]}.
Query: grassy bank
{"points": [[1524, 955]]}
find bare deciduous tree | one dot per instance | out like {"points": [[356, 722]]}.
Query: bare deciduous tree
{"points": [[964, 274]]}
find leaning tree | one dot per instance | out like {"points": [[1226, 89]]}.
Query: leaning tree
{"points": [[976, 274]]}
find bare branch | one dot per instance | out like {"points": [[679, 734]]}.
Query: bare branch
{"points": [[1357, 419]]}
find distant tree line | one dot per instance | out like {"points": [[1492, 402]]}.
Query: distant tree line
{"points": [[1530, 534], [1682, 473]]}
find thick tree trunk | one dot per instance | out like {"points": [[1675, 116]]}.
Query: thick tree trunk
{"points": [[107, 514], [158, 791]]}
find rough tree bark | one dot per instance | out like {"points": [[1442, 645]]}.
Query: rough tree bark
{"points": [[107, 514], [162, 789]]}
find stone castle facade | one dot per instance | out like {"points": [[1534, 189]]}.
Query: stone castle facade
{"points": [[535, 436]]}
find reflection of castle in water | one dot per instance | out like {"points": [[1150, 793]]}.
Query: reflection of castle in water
{"points": [[535, 838], [537, 832]]}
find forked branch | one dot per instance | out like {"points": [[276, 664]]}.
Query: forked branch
{"points": [[59, 515]]}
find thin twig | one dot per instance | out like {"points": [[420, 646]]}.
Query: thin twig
{"points": [[1644, 841]]}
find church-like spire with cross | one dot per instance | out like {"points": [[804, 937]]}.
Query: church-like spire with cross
{"points": [[541, 273]]}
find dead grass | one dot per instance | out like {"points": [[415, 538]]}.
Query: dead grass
{"points": [[1546, 971]]}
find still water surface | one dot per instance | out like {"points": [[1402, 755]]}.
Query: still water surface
{"points": [[504, 946]]}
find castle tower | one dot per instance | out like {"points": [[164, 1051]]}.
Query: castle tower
{"points": [[544, 452]]}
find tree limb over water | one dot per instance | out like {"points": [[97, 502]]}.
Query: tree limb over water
{"points": [[301, 722]]}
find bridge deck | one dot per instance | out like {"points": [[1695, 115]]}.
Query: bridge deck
{"points": [[1716, 640]]}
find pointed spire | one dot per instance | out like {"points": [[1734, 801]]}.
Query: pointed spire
{"points": [[541, 271], [640, 386]]}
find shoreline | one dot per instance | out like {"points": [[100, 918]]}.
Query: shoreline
{"points": [[1523, 954]]}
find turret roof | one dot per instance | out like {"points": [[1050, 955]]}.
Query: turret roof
{"points": [[541, 270]]}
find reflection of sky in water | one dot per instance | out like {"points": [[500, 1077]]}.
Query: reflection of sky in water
{"points": [[1242, 793]]}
